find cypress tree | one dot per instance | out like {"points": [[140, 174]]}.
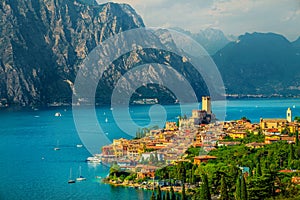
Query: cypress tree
{"points": [[204, 189], [158, 196], [224, 192], [238, 188], [297, 138], [291, 155], [183, 197], [153, 196], [172, 195], [193, 174], [258, 168], [167, 196], [244, 195]]}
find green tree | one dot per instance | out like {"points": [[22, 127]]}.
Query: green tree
{"points": [[204, 188], [291, 155], [297, 138], [244, 195], [238, 188], [153, 196], [158, 196], [193, 181], [181, 172], [258, 168], [183, 196], [114, 169], [167, 196], [172, 194], [224, 191]]}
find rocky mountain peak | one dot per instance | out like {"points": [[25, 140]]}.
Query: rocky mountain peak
{"points": [[43, 41]]}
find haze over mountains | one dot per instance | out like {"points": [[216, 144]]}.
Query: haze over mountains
{"points": [[260, 63], [211, 39], [44, 41]]}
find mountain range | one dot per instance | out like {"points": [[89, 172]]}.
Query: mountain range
{"points": [[264, 64], [43, 43], [211, 39]]}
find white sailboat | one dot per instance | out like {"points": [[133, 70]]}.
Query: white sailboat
{"points": [[57, 146], [70, 178], [106, 119], [80, 178]]}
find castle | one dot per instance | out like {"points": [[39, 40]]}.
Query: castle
{"points": [[204, 116]]}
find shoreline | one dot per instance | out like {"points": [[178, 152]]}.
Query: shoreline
{"points": [[177, 189], [230, 97]]}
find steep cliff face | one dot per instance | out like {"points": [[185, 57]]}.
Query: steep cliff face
{"points": [[43, 41]]}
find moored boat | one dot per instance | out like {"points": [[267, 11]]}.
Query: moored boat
{"points": [[80, 178], [57, 114], [93, 159], [70, 178]]}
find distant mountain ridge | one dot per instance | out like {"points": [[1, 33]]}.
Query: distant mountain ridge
{"points": [[260, 63], [211, 39]]}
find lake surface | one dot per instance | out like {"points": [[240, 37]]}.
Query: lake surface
{"points": [[31, 169]]}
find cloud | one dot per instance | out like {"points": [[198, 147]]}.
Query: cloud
{"points": [[232, 16]]}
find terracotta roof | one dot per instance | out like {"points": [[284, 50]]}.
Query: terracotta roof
{"points": [[288, 138], [288, 171], [272, 130]]}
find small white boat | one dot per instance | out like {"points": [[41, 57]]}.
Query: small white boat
{"points": [[70, 179], [57, 114], [79, 145], [93, 160], [80, 178], [57, 146], [106, 120]]}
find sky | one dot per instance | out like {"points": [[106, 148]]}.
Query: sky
{"points": [[233, 17]]}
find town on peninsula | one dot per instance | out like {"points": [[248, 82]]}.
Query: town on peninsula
{"points": [[199, 157]]}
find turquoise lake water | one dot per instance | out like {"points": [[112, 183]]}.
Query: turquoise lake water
{"points": [[31, 169]]}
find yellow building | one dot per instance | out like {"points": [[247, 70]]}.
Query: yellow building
{"points": [[206, 104], [118, 150], [279, 124], [271, 138], [171, 126], [293, 127], [237, 135]]}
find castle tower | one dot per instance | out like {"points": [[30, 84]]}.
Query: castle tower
{"points": [[289, 115], [206, 104]]}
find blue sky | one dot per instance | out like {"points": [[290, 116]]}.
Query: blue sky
{"points": [[232, 16]]}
